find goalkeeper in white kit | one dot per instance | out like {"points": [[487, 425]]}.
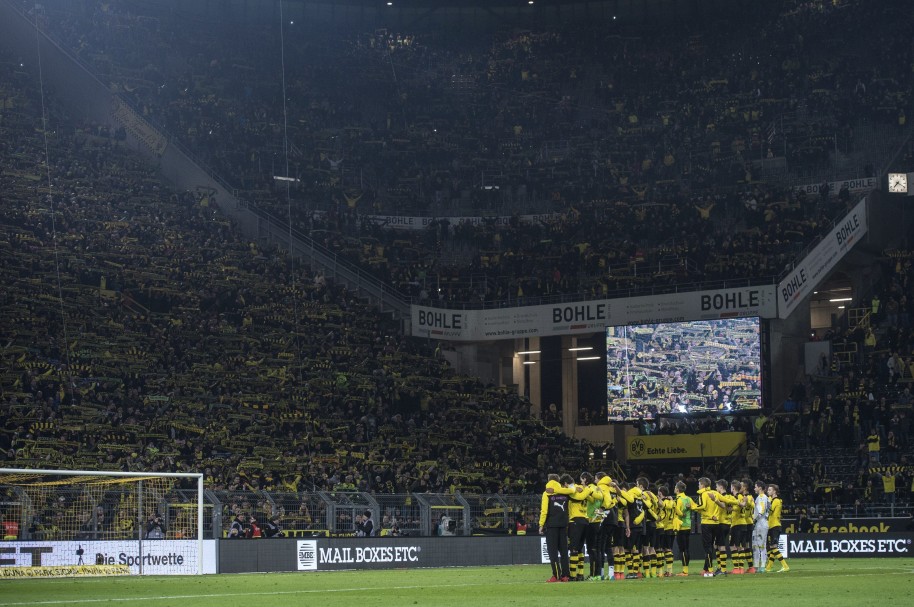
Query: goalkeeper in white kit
{"points": [[760, 529]]}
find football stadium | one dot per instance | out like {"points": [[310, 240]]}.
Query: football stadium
{"points": [[456, 302]]}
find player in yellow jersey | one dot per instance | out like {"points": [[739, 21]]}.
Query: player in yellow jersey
{"points": [[621, 533], [727, 504], [608, 527], [577, 527], [634, 543], [774, 530], [706, 506], [651, 513], [594, 521], [665, 531], [682, 525], [741, 526]]}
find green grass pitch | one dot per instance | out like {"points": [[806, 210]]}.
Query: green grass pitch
{"points": [[831, 582]]}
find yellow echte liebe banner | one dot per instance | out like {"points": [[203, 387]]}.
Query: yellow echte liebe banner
{"points": [[684, 446]]}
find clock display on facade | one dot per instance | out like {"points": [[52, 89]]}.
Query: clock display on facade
{"points": [[898, 183]]}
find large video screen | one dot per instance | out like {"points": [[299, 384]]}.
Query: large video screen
{"points": [[683, 368]]}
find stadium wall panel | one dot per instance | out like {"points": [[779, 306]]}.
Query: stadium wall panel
{"points": [[847, 545], [162, 557], [325, 554]]}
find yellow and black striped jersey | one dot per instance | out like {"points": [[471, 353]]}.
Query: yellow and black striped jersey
{"points": [[742, 514], [726, 513], [774, 515], [667, 514], [707, 507], [577, 503], [634, 498]]}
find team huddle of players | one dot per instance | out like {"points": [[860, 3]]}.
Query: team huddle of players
{"points": [[627, 530]]}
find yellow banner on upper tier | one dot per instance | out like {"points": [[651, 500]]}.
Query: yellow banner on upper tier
{"points": [[685, 446]]}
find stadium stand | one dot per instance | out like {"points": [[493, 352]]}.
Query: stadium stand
{"points": [[187, 346], [145, 334], [518, 125]]}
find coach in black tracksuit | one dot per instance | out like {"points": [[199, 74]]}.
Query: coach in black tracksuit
{"points": [[554, 525]]}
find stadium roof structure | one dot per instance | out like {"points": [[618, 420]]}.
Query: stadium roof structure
{"points": [[638, 9], [499, 13], [499, 3], [433, 4]]}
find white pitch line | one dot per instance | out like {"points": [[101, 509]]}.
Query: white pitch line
{"points": [[312, 591], [237, 594]]}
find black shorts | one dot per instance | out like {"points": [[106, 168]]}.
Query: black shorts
{"points": [[577, 528], [650, 535], [660, 539], [722, 535], [666, 539], [635, 539], [619, 539], [708, 532], [774, 536], [740, 535], [608, 533]]}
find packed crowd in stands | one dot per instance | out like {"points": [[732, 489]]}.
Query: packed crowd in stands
{"points": [[627, 143], [186, 346], [143, 333], [845, 435]]}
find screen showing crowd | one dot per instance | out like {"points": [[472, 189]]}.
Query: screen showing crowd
{"points": [[682, 368]]}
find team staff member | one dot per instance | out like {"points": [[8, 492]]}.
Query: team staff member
{"points": [[554, 525], [760, 529], [682, 525], [706, 505], [774, 531]]}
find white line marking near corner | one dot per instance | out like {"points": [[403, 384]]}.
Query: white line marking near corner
{"points": [[237, 594]]}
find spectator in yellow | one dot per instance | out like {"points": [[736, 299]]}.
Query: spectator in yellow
{"points": [[873, 446], [870, 340], [888, 487], [704, 210]]}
